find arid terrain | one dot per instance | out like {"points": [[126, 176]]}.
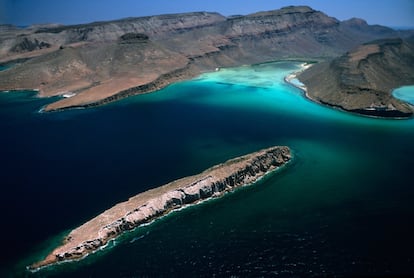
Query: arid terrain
{"points": [[362, 80], [149, 205], [96, 63]]}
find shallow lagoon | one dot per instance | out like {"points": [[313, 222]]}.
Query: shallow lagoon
{"points": [[405, 93], [344, 206]]}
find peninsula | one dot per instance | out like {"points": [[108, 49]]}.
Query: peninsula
{"points": [[154, 203], [362, 80]]}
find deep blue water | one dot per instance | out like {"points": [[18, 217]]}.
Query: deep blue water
{"points": [[342, 208]]}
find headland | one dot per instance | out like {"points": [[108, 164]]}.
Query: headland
{"points": [[362, 80]]}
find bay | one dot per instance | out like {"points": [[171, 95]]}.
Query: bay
{"points": [[343, 207]]}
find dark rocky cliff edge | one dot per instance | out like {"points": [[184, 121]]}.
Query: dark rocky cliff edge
{"points": [[362, 80], [150, 205], [104, 61]]}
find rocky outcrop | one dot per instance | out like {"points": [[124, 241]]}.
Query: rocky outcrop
{"points": [[362, 80], [26, 45], [134, 38], [154, 203], [99, 62]]}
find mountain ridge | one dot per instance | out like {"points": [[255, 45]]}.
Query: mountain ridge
{"points": [[93, 63]]}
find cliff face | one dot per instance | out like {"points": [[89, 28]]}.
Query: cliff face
{"points": [[289, 32], [154, 203], [99, 62], [362, 80]]}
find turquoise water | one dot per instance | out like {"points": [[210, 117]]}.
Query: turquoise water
{"points": [[405, 93], [342, 207], [4, 67]]}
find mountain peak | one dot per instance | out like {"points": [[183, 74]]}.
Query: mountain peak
{"points": [[284, 10], [355, 22]]}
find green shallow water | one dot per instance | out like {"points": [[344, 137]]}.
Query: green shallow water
{"points": [[342, 207]]}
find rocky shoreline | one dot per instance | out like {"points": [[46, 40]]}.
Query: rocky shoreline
{"points": [[368, 112], [152, 204], [361, 81], [161, 82]]}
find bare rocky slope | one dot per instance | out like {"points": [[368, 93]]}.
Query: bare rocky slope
{"points": [[149, 205], [362, 80], [103, 61]]}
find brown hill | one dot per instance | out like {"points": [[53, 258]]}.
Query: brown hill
{"points": [[362, 80], [105, 61]]}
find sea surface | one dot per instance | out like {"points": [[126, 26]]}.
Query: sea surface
{"points": [[343, 207]]}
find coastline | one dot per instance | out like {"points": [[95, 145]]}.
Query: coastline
{"points": [[158, 83], [188, 72], [67, 98], [288, 79], [150, 205], [182, 74], [371, 113]]}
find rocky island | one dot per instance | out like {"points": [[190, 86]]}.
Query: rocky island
{"points": [[93, 64], [150, 205]]}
